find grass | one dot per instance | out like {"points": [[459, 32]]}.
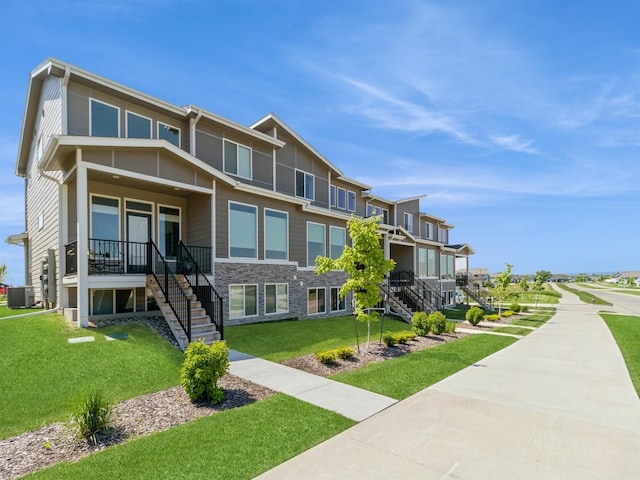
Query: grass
{"points": [[586, 297], [43, 376], [10, 312], [278, 341], [540, 317], [239, 444], [514, 294], [628, 291], [512, 330], [626, 331], [403, 376]]}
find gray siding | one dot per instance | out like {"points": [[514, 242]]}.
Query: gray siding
{"points": [[42, 194], [198, 218]]}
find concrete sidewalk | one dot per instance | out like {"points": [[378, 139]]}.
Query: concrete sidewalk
{"points": [[351, 402], [558, 404]]}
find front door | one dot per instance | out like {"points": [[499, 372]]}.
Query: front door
{"points": [[138, 234]]}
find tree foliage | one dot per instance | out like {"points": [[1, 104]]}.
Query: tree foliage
{"points": [[545, 275], [501, 284], [524, 286], [363, 261], [3, 271]]}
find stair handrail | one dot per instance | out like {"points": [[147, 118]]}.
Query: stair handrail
{"points": [[174, 295], [412, 285], [212, 302], [386, 289], [481, 294]]}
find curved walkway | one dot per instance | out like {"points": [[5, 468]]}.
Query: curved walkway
{"points": [[558, 404]]}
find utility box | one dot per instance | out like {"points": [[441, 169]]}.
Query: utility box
{"points": [[19, 297]]}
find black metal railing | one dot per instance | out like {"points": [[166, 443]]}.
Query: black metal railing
{"points": [[397, 305], [71, 258], [174, 294], [475, 290], [200, 256], [415, 292], [205, 292]]}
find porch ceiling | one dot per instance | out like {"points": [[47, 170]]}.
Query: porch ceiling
{"points": [[136, 183]]}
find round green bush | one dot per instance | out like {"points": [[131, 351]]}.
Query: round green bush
{"points": [[437, 322], [515, 307], [203, 366], [420, 323], [474, 315]]}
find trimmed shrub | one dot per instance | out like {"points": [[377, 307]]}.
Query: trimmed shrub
{"points": [[450, 327], [420, 323], [326, 357], [91, 416], [437, 322], [203, 366], [515, 307], [390, 339], [344, 353], [524, 308], [507, 313], [474, 315], [494, 317], [405, 337]]}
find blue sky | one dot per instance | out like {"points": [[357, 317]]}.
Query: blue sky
{"points": [[519, 120]]}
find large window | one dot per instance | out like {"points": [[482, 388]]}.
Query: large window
{"points": [[408, 222], [169, 133], [315, 242], [243, 230], [138, 126], [105, 120], [351, 201], [446, 267], [428, 230], [422, 262], [305, 183], [431, 263], [103, 302], [372, 211], [315, 301], [169, 232], [276, 238], [332, 195], [443, 235], [105, 218], [337, 303], [276, 298], [337, 241], [237, 159], [243, 301]]}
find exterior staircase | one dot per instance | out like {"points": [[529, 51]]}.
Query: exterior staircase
{"points": [[201, 326], [405, 293], [476, 291]]}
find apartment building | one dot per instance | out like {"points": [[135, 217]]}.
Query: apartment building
{"points": [[131, 201]]}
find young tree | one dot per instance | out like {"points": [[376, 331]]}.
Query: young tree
{"points": [[365, 265], [544, 274], [538, 286], [502, 283], [524, 287], [3, 271]]}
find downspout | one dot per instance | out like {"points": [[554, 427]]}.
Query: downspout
{"points": [[63, 100], [192, 132]]}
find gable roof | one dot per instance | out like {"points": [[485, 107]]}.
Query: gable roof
{"points": [[66, 71]]}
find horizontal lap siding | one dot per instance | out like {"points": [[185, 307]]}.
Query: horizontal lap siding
{"points": [[198, 221], [42, 193]]}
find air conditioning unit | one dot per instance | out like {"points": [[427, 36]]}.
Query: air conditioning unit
{"points": [[19, 297]]}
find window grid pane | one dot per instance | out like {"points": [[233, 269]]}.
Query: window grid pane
{"points": [[315, 242], [243, 230], [275, 235]]}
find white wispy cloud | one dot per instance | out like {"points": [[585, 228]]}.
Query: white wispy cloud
{"points": [[515, 143]]}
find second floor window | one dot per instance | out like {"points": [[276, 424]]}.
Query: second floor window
{"points": [[443, 235], [315, 242], [237, 159], [351, 201], [337, 241], [138, 126], [342, 198], [333, 195], [305, 183], [169, 133], [408, 222], [105, 120], [243, 230], [428, 230], [275, 235]]}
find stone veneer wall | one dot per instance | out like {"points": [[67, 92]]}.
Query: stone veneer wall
{"points": [[299, 281]]}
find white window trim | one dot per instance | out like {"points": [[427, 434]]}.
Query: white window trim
{"points": [[229, 228], [91, 99], [264, 222], [406, 223], [126, 122], [159, 206], [325, 300], [305, 184], [355, 201], [170, 126], [339, 300], [118, 199], [324, 254], [153, 212], [265, 299], [250, 177], [244, 297]]}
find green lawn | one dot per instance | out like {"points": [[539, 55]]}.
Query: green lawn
{"points": [[10, 312], [586, 297], [235, 444], [42, 375], [512, 330], [278, 341], [628, 291], [626, 330], [536, 319], [403, 376]]}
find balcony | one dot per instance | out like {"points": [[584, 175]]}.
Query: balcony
{"points": [[117, 257]]}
